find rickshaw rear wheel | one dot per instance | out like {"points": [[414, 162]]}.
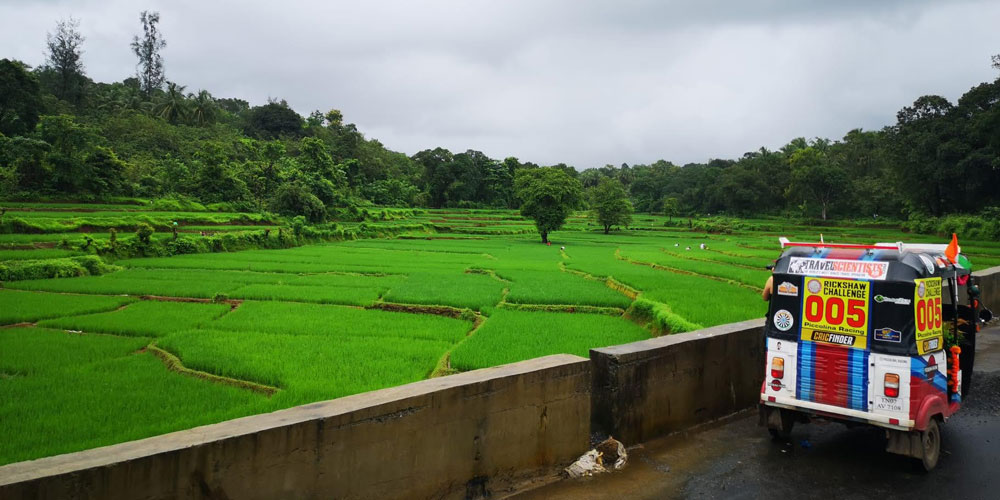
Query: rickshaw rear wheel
{"points": [[930, 440]]}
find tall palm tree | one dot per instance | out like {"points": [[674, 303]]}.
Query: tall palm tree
{"points": [[172, 105], [203, 108]]}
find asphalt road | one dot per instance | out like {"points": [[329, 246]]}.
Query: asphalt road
{"points": [[738, 459]]}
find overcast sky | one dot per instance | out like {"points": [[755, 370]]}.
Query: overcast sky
{"points": [[581, 82]]}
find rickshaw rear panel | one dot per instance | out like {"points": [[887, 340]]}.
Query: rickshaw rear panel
{"points": [[857, 333]]}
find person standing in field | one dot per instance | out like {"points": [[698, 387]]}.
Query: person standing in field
{"points": [[768, 289]]}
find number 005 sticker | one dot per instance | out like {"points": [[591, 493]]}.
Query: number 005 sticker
{"points": [[927, 313], [835, 311]]}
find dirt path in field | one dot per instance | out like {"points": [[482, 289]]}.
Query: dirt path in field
{"points": [[174, 364], [443, 366], [446, 311], [23, 324], [233, 303], [488, 272]]}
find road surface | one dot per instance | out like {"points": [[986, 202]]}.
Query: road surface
{"points": [[737, 459]]}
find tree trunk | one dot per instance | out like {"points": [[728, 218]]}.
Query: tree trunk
{"points": [[607, 228], [545, 236]]}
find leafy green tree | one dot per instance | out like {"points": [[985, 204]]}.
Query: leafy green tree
{"points": [[147, 49], [25, 157], [926, 146], [739, 190], [294, 199], [610, 204], [232, 105], [203, 110], [547, 196], [815, 178], [172, 106], [63, 59], [273, 120], [8, 180], [315, 158], [104, 172], [391, 192], [214, 180], [437, 175], [144, 232], [20, 98], [71, 142], [671, 207]]}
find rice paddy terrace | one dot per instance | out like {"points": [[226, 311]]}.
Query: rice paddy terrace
{"points": [[168, 343]]}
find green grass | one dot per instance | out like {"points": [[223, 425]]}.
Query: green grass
{"points": [[63, 392], [19, 306], [116, 284], [308, 367], [510, 336], [41, 253], [752, 277], [308, 293], [143, 319], [338, 322], [555, 287], [457, 289]]}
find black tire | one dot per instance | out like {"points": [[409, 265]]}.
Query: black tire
{"points": [[967, 361], [787, 422], [930, 438]]}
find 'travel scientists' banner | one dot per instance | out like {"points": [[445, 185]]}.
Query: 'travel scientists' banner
{"points": [[835, 311], [927, 312]]}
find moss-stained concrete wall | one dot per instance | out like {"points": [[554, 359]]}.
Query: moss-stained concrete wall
{"points": [[666, 384], [989, 287], [463, 436]]}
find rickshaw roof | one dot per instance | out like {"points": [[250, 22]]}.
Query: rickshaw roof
{"points": [[883, 261]]}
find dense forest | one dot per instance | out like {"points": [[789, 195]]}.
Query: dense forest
{"points": [[64, 136]]}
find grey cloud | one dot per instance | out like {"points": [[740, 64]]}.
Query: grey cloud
{"points": [[586, 83]]}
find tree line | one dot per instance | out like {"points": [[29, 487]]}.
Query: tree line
{"points": [[63, 135]]}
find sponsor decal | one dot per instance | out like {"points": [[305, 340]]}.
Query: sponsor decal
{"points": [[838, 268], [931, 368], [784, 321], [888, 335], [892, 300], [931, 345], [927, 315], [835, 311], [776, 385], [786, 288], [834, 338]]}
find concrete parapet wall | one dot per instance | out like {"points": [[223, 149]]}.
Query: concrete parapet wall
{"points": [[989, 287], [462, 436], [654, 387]]}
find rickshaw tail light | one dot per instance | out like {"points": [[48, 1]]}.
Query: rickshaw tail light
{"points": [[777, 367], [891, 385]]}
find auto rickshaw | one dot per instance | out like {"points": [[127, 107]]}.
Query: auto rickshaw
{"points": [[870, 334]]}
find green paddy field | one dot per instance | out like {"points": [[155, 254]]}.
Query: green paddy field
{"points": [[169, 343]]}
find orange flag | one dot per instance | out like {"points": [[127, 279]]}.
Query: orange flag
{"points": [[953, 249]]}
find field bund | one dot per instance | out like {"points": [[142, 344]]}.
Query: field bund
{"points": [[472, 435]]}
